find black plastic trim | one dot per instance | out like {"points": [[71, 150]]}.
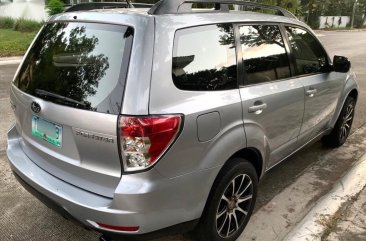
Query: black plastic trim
{"points": [[48, 202], [241, 76], [175, 229]]}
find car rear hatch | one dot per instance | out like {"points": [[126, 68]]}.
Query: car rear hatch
{"points": [[68, 96]]}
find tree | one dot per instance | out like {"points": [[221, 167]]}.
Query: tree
{"points": [[360, 13], [291, 5], [312, 9], [55, 7]]}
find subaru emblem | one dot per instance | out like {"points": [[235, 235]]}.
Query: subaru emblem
{"points": [[36, 108]]}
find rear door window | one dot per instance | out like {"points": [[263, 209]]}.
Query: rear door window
{"points": [[264, 54], [82, 65], [204, 58]]}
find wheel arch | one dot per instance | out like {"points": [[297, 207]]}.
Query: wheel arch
{"points": [[354, 94], [349, 92], [251, 155]]}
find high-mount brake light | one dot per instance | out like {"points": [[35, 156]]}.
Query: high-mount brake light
{"points": [[143, 140]]}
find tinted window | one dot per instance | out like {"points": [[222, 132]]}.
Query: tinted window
{"points": [[82, 65], [204, 58], [264, 54], [309, 55]]}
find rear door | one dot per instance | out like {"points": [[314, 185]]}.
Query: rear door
{"points": [[322, 86], [68, 95], [273, 102]]}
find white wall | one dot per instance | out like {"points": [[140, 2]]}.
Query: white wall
{"points": [[28, 9], [334, 21]]}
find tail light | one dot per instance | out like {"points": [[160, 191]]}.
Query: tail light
{"points": [[143, 140]]}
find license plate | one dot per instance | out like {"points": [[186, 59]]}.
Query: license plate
{"points": [[47, 131]]}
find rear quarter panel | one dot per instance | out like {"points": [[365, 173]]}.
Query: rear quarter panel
{"points": [[189, 154]]}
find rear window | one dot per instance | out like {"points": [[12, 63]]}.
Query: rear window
{"points": [[82, 65]]}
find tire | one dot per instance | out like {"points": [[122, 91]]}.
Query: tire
{"points": [[224, 218], [343, 126]]}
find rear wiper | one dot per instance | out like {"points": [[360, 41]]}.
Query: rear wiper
{"points": [[59, 97]]}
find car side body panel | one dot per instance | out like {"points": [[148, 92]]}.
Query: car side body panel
{"points": [[320, 107], [216, 125], [349, 85], [279, 124]]}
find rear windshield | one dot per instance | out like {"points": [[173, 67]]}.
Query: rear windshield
{"points": [[82, 65]]}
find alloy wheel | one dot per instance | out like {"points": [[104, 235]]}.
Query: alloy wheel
{"points": [[347, 122], [234, 205]]}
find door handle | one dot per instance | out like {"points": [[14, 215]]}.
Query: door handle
{"points": [[311, 92], [257, 108]]}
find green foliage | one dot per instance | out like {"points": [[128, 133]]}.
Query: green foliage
{"points": [[360, 16], [55, 7], [14, 43], [25, 25], [6, 22], [359, 20], [312, 9], [20, 24], [314, 21], [67, 2], [291, 5]]}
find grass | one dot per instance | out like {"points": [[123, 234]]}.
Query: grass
{"points": [[14, 43], [6, 22], [20, 24], [16, 35]]}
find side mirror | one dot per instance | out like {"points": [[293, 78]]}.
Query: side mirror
{"points": [[341, 64]]}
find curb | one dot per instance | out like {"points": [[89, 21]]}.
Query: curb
{"points": [[11, 60], [312, 227]]}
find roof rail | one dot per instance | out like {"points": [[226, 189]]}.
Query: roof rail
{"points": [[106, 5], [185, 6]]}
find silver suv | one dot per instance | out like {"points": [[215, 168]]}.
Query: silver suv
{"points": [[132, 120]]}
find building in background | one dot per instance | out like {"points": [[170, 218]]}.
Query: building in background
{"points": [[31, 9]]}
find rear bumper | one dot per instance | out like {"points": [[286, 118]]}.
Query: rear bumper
{"points": [[146, 199]]}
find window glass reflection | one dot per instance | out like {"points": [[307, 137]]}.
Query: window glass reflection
{"points": [[204, 58], [264, 54], [82, 65], [309, 55]]}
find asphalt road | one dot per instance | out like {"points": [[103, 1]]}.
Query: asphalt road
{"points": [[22, 217]]}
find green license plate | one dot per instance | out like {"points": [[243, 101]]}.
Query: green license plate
{"points": [[48, 131]]}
